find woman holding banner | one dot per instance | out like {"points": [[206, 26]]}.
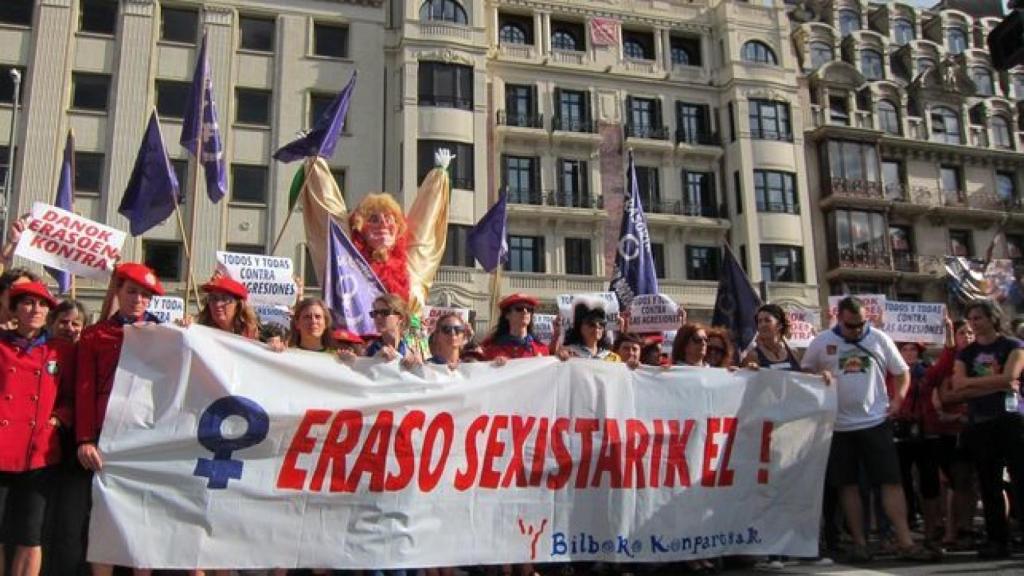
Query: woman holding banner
{"points": [[513, 336], [770, 348], [37, 379], [226, 308], [67, 320], [391, 319], [311, 326], [588, 336], [721, 351], [690, 347]]}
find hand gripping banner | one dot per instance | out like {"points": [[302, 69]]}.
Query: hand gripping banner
{"points": [[221, 454]]}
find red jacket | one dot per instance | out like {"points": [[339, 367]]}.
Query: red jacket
{"points": [[99, 349], [511, 347], [36, 383]]}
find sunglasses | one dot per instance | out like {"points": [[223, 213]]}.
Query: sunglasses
{"points": [[382, 313], [850, 326], [220, 297], [522, 309], [452, 329]]}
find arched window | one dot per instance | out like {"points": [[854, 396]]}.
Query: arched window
{"points": [[982, 81], [871, 65], [956, 40], [945, 125], [756, 51], [680, 55], [1000, 132], [1017, 80], [443, 11], [924, 64], [563, 40], [821, 54], [903, 31], [888, 117], [634, 49], [512, 34], [849, 21]]}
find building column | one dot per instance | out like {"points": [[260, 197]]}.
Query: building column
{"points": [[545, 32], [661, 55], [665, 39]]}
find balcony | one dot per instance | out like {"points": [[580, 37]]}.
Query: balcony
{"points": [[856, 188], [680, 208], [647, 131], [517, 51], [530, 197], [571, 57], [446, 31], [578, 125], [521, 120], [762, 134], [573, 199], [640, 66], [905, 261], [698, 138], [863, 259]]}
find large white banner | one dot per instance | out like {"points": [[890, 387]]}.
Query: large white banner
{"points": [[66, 241], [221, 454]]}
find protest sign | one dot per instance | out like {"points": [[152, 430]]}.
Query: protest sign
{"points": [[544, 327], [213, 447], [280, 315], [874, 307], [167, 308], [668, 340], [69, 242], [611, 308], [653, 313], [923, 322], [803, 326], [432, 313], [268, 278]]}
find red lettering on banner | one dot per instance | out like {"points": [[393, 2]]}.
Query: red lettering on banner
{"points": [[676, 464], [442, 423], [489, 477], [540, 448], [516, 469], [335, 451], [404, 453], [372, 458], [290, 476], [585, 427], [464, 479], [637, 439], [50, 215], [725, 475], [609, 458], [562, 456], [659, 439]]}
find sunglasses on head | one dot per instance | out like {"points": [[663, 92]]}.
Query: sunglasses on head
{"points": [[452, 329], [382, 313]]}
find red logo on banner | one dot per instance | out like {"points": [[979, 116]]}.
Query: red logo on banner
{"points": [[604, 32], [533, 534]]}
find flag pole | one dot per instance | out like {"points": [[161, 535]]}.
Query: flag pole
{"points": [[190, 239], [188, 251], [284, 227], [73, 288]]}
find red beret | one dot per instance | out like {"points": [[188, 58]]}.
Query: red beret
{"points": [[226, 285], [344, 335], [518, 298], [32, 289], [140, 274]]}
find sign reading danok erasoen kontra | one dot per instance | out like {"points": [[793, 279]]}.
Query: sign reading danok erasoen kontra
{"points": [[66, 241], [212, 450]]}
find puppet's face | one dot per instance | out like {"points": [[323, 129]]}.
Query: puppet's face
{"points": [[380, 230]]}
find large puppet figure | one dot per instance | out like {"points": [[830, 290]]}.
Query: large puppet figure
{"points": [[405, 251]]}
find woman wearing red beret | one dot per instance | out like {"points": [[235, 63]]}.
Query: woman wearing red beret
{"points": [[35, 388], [226, 308], [513, 337]]}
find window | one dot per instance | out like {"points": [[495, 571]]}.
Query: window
{"points": [[637, 45], [950, 183], [703, 262], [577, 257], [924, 65], [737, 188], [644, 118], [699, 194], [172, 98], [178, 24], [758, 52], [521, 106], [859, 239], [446, 85], [854, 162], [7, 84], [838, 110], [775, 191], [658, 255], [4, 150], [567, 36], [1017, 80], [339, 178], [181, 173], [888, 117], [694, 123], [849, 21], [90, 91], [249, 184], [17, 12], [945, 125], [647, 185], [461, 168], [256, 33], [892, 180], [253, 106], [443, 11], [1006, 188], [900, 239], [164, 258], [732, 122], [522, 179], [97, 16], [821, 54], [982, 81], [769, 120], [525, 254], [871, 64], [782, 263], [1000, 132], [513, 33], [685, 51], [318, 105], [573, 184], [1015, 248], [903, 31], [573, 111], [456, 247], [960, 243], [956, 40], [330, 40], [88, 172]]}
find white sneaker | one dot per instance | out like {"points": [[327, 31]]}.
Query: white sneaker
{"points": [[770, 566]]}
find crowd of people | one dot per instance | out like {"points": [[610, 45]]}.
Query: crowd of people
{"points": [[912, 438]]}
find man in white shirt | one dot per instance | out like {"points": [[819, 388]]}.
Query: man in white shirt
{"points": [[859, 358]]}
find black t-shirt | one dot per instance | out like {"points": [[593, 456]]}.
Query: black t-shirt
{"points": [[986, 360]]}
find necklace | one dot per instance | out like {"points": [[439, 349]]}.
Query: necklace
{"points": [[776, 354]]}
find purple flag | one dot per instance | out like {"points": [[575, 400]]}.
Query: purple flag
{"points": [[487, 241], [350, 285], [634, 263], [63, 202], [199, 129], [152, 190], [321, 140], [736, 302]]}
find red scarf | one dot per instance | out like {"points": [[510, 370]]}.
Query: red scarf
{"points": [[390, 268]]}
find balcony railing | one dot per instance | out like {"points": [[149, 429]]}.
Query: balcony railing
{"points": [[445, 101], [462, 183], [762, 134], [518, 51], [520, 120], [556, 198], [584, 125], [684, 136], [445, 30], [680, 208], [855, 188], [905, 261], [533, 197], [874, 259], [646, 131], [568, 56]]}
